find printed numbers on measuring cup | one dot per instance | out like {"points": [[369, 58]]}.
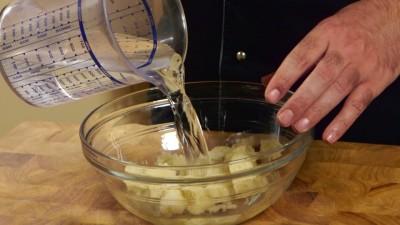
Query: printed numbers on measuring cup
{"points": [[47, 62]]}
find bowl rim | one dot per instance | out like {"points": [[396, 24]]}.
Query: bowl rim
{"points": [[91, 154]]}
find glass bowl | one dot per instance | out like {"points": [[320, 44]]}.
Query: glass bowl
{"points": [[132, 141]]}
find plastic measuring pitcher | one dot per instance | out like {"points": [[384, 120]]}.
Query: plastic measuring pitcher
{"points": [[53, 52]]}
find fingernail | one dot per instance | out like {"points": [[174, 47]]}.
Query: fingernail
{"points": [[286, 117], [302, 125], [274, 95], [332, 137]]}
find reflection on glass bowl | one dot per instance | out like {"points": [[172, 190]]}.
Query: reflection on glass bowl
{"points": [[132, 141]]}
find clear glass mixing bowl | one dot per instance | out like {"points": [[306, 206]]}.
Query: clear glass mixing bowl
{"points": [[133, 143]]}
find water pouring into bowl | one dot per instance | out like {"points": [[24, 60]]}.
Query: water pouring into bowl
{"points": [[60, 51]]}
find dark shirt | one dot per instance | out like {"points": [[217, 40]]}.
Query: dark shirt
{"points": [[267, 31]]}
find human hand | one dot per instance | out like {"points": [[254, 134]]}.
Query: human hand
{"points": [[353, 54]]}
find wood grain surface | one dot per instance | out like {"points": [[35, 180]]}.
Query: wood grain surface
{"points": [[44, 179]]}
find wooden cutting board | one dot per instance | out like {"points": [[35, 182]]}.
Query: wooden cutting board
{"points": [[44, 179]]}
